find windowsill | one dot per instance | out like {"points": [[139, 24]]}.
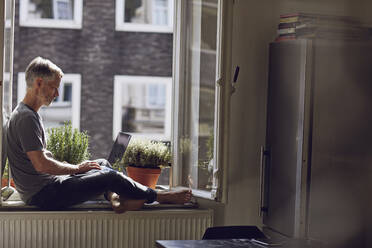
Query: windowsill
{"points": [[59, 24], [195, 192], [14, 203], [143, 28]]}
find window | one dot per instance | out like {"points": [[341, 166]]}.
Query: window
{"points": [[195, 120], [66, 107], [8, 54], [144, 15], [142, 106], [7, 108], [51, 13]]}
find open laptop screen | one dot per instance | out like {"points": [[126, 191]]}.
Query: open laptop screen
{"points": [[119, 147]]}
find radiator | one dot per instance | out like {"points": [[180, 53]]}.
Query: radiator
{"points": [[100, 229]]}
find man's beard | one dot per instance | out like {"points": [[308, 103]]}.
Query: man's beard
{"points": [[48, 102]]}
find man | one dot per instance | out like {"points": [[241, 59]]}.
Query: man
{"points": [[50, 184]]}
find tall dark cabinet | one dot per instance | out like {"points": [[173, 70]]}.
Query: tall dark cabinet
{"points": [[318, 155]]}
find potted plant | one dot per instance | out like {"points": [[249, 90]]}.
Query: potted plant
{"points": [[5, 177], [144, 159], [68, 144]]}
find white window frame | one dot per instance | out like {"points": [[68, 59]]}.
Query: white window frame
{"points": [[75, 79], [76, 23], [119, 81], [222, 98], [120, 25]]}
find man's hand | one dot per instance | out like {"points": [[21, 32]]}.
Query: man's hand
{"points": [[87, 166]]}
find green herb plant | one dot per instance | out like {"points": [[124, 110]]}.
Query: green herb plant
{"points": [[6, 170], [68, 144], [145, 153]]}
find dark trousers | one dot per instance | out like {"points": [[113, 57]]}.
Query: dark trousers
{"points": [[74, 189]]}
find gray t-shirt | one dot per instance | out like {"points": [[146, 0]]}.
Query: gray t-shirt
{"points": [[24, 133]]}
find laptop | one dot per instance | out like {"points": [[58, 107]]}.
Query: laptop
{"points": [[119, 147]]}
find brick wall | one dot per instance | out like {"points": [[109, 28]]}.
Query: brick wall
{"points": [[97, 52]]}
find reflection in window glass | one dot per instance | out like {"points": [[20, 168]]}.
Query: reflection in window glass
{"points": [[143, 108], [156, 95], [146, 12], [51, 9], [8, 58], [197, 121]]}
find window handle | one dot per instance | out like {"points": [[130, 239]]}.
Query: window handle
{"points": [[233, 83]]}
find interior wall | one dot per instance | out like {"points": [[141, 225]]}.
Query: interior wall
{"points": [[362, 10], [330, 7], [254, 27]]}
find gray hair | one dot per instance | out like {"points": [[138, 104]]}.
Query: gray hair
{"points": [[43, 68]]}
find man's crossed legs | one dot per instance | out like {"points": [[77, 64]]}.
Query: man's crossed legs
{"points": [[123, 192]]}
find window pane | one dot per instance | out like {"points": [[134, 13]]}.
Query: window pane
{"points": [[8, 66], [143, 108], [51, 9], [67, 92], [146, 12], [196, 141], [156, 96]]}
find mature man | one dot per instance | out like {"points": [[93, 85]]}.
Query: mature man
{"points": [[50, 184]]}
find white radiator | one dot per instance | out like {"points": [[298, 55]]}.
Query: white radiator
{"points": [[100, 229]]}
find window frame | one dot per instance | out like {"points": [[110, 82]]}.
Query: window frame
{"points": [[119, 81], [75, 79], [121, 25], [4, 23], [222, 97], [75, 23]]}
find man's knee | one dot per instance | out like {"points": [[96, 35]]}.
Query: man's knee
{"points": [[111, 174]]}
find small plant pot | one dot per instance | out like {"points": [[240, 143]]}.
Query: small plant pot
{"points": [[146, 176], [4, 182]]}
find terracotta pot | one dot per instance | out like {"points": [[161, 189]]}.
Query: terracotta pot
{"points": [[4, 182], [146, 176]]}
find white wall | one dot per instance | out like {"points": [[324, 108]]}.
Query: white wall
{"points": [[254, 27]]}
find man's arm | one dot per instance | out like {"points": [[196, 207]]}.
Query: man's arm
{"points": [[48, 154], [48, 165]]}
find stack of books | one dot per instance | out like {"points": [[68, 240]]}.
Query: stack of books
{"points": [[306, 25]]}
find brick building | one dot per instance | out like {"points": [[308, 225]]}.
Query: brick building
{"points": [[100, 46]]}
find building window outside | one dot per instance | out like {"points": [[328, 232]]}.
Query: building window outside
{"points": [[51, 13], [62, 9], [66, 107], [144, 15], [142, 106]]}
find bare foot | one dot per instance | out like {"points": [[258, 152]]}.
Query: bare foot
{"points": [[175, 197], [120, 204]]}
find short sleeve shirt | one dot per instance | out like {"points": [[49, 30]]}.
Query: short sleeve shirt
{"points": [[24, 133]]}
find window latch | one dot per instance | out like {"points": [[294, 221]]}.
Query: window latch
{"points": [[233, 83]]}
